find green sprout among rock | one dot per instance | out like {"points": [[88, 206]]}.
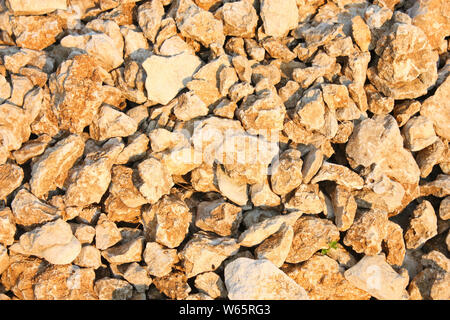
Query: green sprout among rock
{"points": [[331, 245]]}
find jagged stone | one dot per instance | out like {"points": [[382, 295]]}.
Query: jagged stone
{"points": [[375, 276], [422, 227], [260, 279], [218, 216], [159, 260], [310, 235], [204, 253], [323, 280]]}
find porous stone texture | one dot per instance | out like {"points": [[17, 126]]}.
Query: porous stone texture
{"points": [[260, 280]]}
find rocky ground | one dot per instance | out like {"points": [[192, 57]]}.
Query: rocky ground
{"points": [[222, 149]]}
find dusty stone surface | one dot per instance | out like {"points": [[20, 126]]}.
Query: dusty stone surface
{"points": [[167, 222], [76, 89], [277, 246], [219, 217], [211, 284], [28, 210], [163, 86], [7, 227], [52, 168], [258, 232], [156, 180], [53, 241], [159, 260], [259, 280], [204, 253], [367, 232], [310, 235], [11, 177], [307, 198], [322, 279], [279, 17], [373, 275], [422, 226], [113, 289], [287, 172]]}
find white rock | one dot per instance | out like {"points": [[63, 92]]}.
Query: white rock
{"points": [[248, 279], [279, 16], [375, 276], [166, 76]]}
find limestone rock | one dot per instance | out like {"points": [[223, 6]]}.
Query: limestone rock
{"points": [[53, 241], [367, 232], [65, 282], [90, 180], [262, 112], [166, 76], [428, 157], [323, 280], [28, 210], [395, 245], [168, 221], [7, 227], [344, 207], [76, 87], [190, 106], [52, 168], [444, 209], [307, 198], [31, 149], [156, 180], [204, 253], [200, 25], [231, 189], [276, 247], [98, 45], [258, 232], [391, 76], [149, 18], [106, 234], [159, 260], [312, 164], [20, 7], [418, 133], [89, 257], [386, 149], [361, 33], [126, 252], [113, 289], [260, 280], [373, 275], [422, 227], [340, 174], [122, 187], [36, 32], [279, 17], [287, 172], [11, 177], [239, 19], [4, 259], [173, 285], [84, 233], [310, 111], [218, 216], [262, 195], [211, 284], [310, 235], [138, 277], [422, 12], [110, 123], [436, 108]]}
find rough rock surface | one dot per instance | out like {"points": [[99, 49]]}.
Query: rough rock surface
{"points": [[260, 280], [373, 275]]}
